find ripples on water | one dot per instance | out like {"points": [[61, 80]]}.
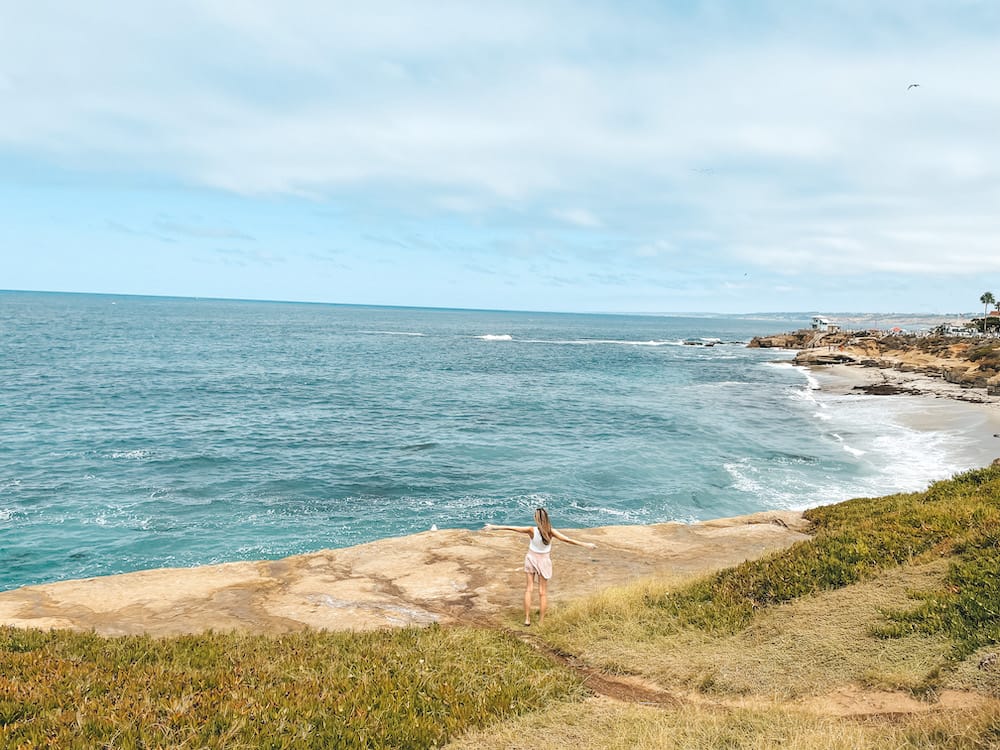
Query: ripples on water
{"points": [[142, 432]]}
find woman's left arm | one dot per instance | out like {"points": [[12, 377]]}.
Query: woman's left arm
{"points": [[570, 540]]}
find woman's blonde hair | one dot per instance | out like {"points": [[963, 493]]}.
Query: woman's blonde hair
{"points": [[544, 525]]}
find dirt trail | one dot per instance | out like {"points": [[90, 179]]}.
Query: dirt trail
{"points": [[848, 702]]}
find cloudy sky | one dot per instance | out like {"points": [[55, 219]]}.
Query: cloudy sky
{"points": [[580, 156]]}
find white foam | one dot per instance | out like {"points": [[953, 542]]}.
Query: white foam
{"points": [[496, 337], [899, 457], [603, 342], [5, 515], [857, 452], [129, 455]]}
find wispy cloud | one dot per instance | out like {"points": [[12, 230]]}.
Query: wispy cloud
{"points": [[778, 137], [577, 216], [201, 231]]}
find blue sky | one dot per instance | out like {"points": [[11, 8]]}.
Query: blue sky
{"points": [[579, 156]]}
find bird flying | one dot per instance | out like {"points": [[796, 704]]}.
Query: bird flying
{"points": [[913, 86]]}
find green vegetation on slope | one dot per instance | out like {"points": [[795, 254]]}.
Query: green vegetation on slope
{"points": [[696, 634], [401, 688], [853, 542], [891, 594], [720, 635]]}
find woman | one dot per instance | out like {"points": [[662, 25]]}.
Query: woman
{"points": [[537, 562]]}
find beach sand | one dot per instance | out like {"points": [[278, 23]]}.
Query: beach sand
{"points": [[943, 406]]}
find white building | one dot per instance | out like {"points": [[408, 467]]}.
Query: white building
{"points": [[819, 323]]}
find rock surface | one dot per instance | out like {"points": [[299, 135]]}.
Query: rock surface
{"points": [[970, 362], [437, 576]]}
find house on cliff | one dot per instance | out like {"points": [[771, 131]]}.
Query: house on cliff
{"points": [[819, 323], [992, 322]]}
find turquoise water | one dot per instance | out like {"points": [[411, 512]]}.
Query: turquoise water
{"points": [[144, 432]]}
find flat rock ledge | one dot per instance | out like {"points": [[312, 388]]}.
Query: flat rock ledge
{"points": [[448, 576]]}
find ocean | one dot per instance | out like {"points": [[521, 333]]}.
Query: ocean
{"points": [[151, 432]]}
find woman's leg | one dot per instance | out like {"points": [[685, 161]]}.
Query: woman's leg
{"points": [[527, 598], [542, 598]]}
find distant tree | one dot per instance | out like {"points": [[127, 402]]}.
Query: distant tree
{"points": [[987, 299]]}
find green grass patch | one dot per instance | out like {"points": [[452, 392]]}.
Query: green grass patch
{"points": [[967, 609], [400, 688], [853, 542]]}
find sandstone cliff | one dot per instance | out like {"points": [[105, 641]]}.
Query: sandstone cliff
{"points": [[972, 362], [437, 576]]}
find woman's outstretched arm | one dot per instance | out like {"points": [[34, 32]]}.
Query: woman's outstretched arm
{"points": [[569, 540], [518, 529]]}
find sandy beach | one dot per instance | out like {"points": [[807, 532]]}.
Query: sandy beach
{"points": [[943, 406]]}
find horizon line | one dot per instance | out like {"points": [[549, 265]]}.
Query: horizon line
{"points": [[665, 314]]}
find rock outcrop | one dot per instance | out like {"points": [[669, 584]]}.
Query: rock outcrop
{"points": [[450, 575], [971, 362]]}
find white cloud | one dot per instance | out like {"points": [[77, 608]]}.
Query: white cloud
{"points": [[792, 145], [577, 216]]}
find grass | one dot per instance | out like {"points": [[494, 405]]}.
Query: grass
{"points": [[811, 646], [986, 355], [402, 688], [854, 541], [823, 609], [604, 725], [892, 593]]}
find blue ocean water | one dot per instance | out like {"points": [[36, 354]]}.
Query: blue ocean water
{"points": [[149, 432]]}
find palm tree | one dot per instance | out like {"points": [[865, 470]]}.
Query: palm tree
{"points": [[987, 299]]}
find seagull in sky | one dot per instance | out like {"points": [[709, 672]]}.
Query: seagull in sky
{"points": [[913, 86]]}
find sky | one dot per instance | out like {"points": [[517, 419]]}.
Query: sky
{"points": [[730, 157]]}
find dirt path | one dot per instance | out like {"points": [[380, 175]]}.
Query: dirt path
{"points": [[847, 702]]}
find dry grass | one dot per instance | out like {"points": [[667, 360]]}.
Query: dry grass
{"points": [[807, 647], [402, 688], [601, 724], [979, 673]]}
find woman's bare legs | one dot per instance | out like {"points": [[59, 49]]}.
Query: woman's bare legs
{"points": [[527, 597], [542, 598]]}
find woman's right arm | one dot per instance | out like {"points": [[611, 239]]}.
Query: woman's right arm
{"points": [[518, 529], [570, 540]]}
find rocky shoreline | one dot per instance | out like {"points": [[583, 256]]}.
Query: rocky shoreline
{"points": [[463, 576], [972, 364], [447, 576]]}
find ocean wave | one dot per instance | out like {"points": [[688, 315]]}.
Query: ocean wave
{"points": [[496, 337], [416, 447], [785, 488], [594, 513], [392, 333], [6, 515], [603, 342], [856, 452], [132, 455]]}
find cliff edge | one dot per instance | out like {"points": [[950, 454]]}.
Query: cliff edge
{"points": [[437, 576]]}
